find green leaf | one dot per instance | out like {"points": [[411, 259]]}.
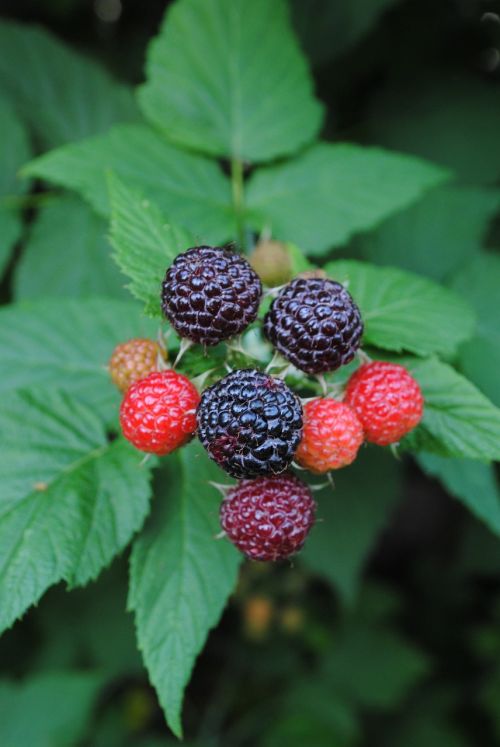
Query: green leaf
{"points": [[15, 151], [434, 118], [374, 667], [91, 624], [311, 714], [181, 577], [47, 709], [227, 77], [320, 199], [351, 518], [190, 189], [402, 311], [67, 344], [471, 482], [299, 261], [145, 244], [328, 28], [423, 731], [67, 254], [478, 282], [61, 94], [69, 500], [458, 420], [435, 235]]}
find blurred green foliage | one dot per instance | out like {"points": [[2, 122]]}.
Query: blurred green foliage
{"points": [[386, 629]]}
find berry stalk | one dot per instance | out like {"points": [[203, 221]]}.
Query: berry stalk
{"points": [[238, 192]]}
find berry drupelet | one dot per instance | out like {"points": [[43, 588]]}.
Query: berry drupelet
{"points": [[250, 423], [210, 294], [315, 324], [268, 518]]}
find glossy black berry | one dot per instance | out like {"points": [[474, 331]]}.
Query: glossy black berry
{"points": [[250, 423], [210, 294], [315, 324]]}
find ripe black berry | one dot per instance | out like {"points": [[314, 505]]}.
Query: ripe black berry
{"points": [[268, 518], [210, 294], [315, 324], [250, 423]]}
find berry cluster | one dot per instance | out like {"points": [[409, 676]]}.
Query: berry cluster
{"points": [[251, 423]]}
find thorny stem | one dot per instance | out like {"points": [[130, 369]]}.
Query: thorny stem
{"points": [[322, 382], [363, 357], [395, 452], [185, 345], [275, 362], [223, 489], [237, 187], [199, 381]]}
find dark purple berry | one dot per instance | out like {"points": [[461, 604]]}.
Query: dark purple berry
{"points": [[315, 324], [210, 294], [268, 518], [250, 423]]}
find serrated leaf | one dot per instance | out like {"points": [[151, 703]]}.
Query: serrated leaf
{"points": [[228, 78], [403, 311], [14, 152], [69, 499], [190, 189], [458, 421], [435, 235], [62, 95], [145, 244], [471, 482], [320, 199], [67, 254], [47, 709], [67, 344], [181, 576], [351, 518], [478, 282]]}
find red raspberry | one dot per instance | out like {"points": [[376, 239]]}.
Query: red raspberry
{"points": [[268, 518], [157, 414], [133, 360], [331, 438], [387, 400]]}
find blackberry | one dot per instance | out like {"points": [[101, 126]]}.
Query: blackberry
{"points": [[268, 518], [250, 423], [210, 294], [315, 324]]}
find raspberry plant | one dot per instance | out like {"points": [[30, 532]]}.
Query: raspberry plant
{"points": [[212, 167]]}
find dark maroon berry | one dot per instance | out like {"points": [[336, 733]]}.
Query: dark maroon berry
{"points": [[250, 423], [268, 518], [210, 294], [315, 324]]}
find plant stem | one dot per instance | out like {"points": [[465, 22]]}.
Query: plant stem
{"points": [[237, 186], [27, 201]]}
